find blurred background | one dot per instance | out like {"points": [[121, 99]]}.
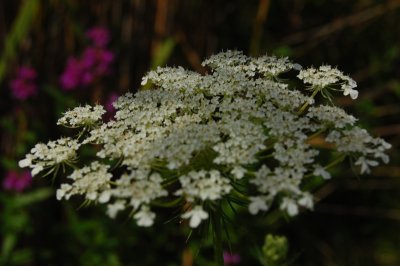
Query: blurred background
{"points": [[57, 54]]}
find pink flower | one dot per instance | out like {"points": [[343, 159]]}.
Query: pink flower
{"points": [[17, 182], [231, 258], [94, 63], [24, 85], [100, 36], [71, 77], [27, 72], [105, 58]]}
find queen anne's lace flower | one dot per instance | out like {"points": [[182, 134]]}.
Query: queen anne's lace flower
{"points": [[195, 141]]}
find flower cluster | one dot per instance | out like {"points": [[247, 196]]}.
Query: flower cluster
{"points": [[239, 133], [94, 63], [325, 76], [86, 116], [53, 154], [24, 84]]}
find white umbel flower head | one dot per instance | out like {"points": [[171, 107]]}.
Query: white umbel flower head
{"points": [[240, 133]]}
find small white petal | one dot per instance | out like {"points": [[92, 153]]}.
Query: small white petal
{"points": [[290, 206], [24, 163], [36, 170], [238, 172], [196, 215], [113, 209], [105, 196], [297, 67], [144, 217], [60, 194], [144, 81], [353, 94], [307, 201], [91, 195], [257, 204]]}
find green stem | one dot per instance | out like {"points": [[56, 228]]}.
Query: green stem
{"points": [[331, 164], [305, 105], [240, 195], [336, 161], [113, 183], [317, 133], [217, 236]]}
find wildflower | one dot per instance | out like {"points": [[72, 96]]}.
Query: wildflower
{"points": [[94, 63], [23, 86], [238, 134], [17, 182], [70, 79]]}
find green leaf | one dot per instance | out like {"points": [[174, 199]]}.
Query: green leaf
{"points": [[8, 244], [21, 257], [20, 29], [163, 53], [35, 196]]}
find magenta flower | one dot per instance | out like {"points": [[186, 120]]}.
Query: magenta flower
{"points": [[94, 63], [17, 182], [100, 36], [27, 73], [231, 258], [71, 77], [24, 85]]}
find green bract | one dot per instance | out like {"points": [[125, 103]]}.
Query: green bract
{"points": [[239, 133]]}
